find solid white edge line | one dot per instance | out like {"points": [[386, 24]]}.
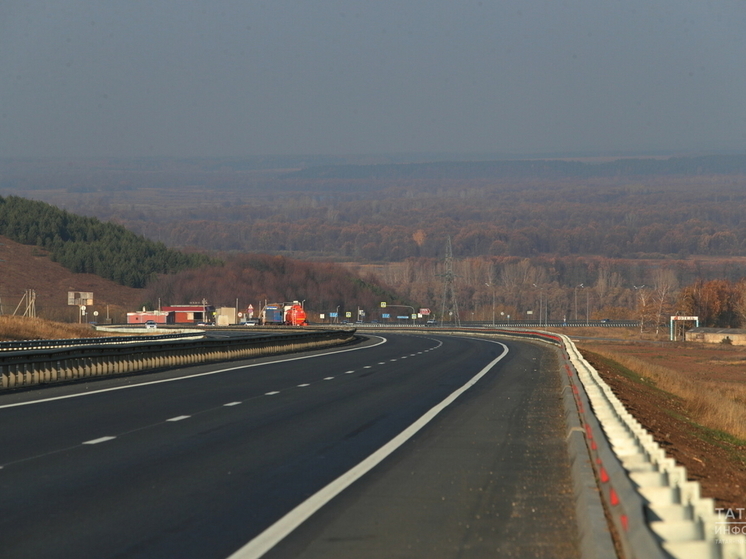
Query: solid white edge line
{"points": [[99, 440], [270, 537], [205, 374], [179, 418], [229, 404]]}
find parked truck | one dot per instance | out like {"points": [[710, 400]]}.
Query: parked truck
{"points": [[295, 315], [272, 314], [289, 314]]}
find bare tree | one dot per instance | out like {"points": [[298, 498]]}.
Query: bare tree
{"points": [[664, 283]]}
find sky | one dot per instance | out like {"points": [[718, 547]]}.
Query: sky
{"points": [[132, 78]]}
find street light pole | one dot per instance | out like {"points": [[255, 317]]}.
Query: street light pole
{"points": [[493, 302], [576, 300]]}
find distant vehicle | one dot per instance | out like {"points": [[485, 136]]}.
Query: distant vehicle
{"points": [[605, 320], [251, 322], [431, 323], [151, 325], [289, 314]]}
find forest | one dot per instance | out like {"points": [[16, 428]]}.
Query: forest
{"points": [[87, 245], [320, 212], [591, 238]]}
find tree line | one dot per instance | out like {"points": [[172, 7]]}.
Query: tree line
{"points": [[88, 245]]}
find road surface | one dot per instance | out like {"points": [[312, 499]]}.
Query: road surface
{"points": [[206, 461]]}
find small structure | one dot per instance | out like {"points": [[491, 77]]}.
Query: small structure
{"points": [[225, 316], [735, 336], [141, 317], [678, 326], [192, 313]]}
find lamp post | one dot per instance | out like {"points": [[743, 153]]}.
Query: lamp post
{"points": [[541, 301], [576, 300], [641, 304], [493, 302]]}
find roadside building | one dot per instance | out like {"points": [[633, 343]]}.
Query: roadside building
{"points": [[141, 317], [735, 336], [192, 313]]}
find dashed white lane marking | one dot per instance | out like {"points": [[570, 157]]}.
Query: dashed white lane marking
{"points": [[229, 404], [272, 535], [392, 360], [303, 385], [382, 362], [349, 372], [369, 366], [186, 377], [179, 418], [101, 440], [272, 393], [328, 378]]}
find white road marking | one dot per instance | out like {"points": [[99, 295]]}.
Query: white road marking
{"points": [[369, 366], [101, 440], [229, 404], [179, 418], [328, 378], [382, 362], [186, 377], [349, 372], [265, 541], [303, 385], [272, 393]]}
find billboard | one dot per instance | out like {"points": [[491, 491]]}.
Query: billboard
{"points": [[79, 298]]}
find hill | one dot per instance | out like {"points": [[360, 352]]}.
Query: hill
{"points": [[88, 245], [27, 267]]}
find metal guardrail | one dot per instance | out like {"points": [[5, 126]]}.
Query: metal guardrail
{"points": [[59, 364], [656, 511], [33, 345]]}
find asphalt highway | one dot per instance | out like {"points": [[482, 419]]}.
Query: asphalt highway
{"points": [[274, 455]]}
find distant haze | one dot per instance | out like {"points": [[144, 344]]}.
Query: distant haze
{"points": [[239, 77]]}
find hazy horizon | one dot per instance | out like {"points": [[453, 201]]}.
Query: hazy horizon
{"points": [[83, 79]]}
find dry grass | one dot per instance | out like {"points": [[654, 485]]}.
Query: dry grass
{"points": [[716, 404], [14, 328]]}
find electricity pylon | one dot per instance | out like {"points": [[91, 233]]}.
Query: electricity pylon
{"points": [[449, 293]]}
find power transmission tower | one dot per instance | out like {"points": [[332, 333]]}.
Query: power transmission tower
{"points": [[449, 294]]}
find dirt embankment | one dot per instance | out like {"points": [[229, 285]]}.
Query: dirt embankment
{"points": [[692, 399]]}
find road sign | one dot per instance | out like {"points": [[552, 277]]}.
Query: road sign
{"points": [[383, 304], [348, 314], [425, 312], [385, 315]]}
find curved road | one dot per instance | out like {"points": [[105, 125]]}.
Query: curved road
{"points": [[273, 455]]}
